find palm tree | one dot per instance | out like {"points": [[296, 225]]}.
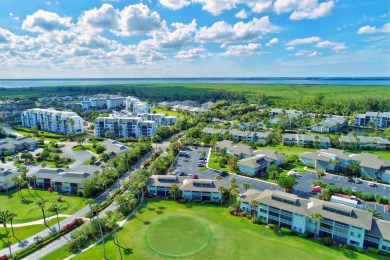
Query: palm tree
{"points": [[174, 191], [55, 208], [246, 186], [113, 217], [203, 153], [221, 190], [18, 183], [5, 185], [141, 186], [253, 204], [316, 217], [4, 217], [71, 122], [94, 208], [11, 219], [41, 205]]}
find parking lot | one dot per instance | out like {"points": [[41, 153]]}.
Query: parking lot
{"points": [[189, 165]]}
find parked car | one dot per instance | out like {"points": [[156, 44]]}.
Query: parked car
{"points": [[358, 181], [317, 189], [176, 172], [354, 189], [332, 184], [313, 193], [371, 184], [349, 179], [194, 176], [98, 163], [181, 174], [91, 162], [202, 158], [201, 164], [223, 173]]}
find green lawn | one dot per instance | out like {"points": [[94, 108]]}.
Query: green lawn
{"points": [[164, 228], [85, 147], [14, 203], [22, 233], [215, 165], [60, 253], [166, 112]]}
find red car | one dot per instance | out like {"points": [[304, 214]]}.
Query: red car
{"points": [[388, 208], [194, 176], [317, 189]]}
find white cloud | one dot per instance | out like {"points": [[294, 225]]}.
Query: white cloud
{"points": [[106, 17], [241, 14], [5, 35], [259, 6], [290, 48], [138, 19], [334, 46], [216, 7], [16, 18], [192, 54], [176, 39], [272, 42], [43, 21], [307, 54], [174, 4], [241, 50], [321, 10], [372, 29], [300, 41], [223, 32]]}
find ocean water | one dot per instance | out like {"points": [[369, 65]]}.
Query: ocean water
{"points": [[22, 83]]}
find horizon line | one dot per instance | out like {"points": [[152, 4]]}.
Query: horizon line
{"points": [[154, 78]]}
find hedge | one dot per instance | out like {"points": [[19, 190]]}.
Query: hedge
{"points": [[373, 250], [45, 241], [285, 231]]}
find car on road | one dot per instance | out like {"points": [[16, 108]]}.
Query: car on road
{"points": [[97, 163], [312, 193], [371, 184], [349, 179], [358, 181], [202, 158], [223, 173], [176, 172], [354, 189], [331, 184], [317, 189], [201, 164]]}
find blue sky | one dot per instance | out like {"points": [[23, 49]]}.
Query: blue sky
{"points": [[194, 38]]}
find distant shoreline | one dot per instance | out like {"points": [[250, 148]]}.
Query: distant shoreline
{"points": [[55, 82]]}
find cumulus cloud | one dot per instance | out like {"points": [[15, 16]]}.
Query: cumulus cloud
{"points": [[106, 17], [192, 54], [241, 14], [372, 29], [300, 41], [334, 46], [138, 19], [175, 39], [216, 7], [321, 10], [272, 42], [5, 35], [259, 6], [241, 50], [223, 32], [307, 54], [43, 21], [174, 4]]}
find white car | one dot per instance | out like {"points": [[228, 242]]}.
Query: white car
{"points": [[371, 184], [354, 189]]}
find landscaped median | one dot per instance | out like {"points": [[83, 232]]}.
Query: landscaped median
{"points": [[47, 240]]}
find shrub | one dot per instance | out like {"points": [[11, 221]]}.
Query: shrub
{"points": [[273, 226], [182, 200], [351, 247], [262, 222], [243, 214], [235, 213], [360, 250], [285, 231], [301, 235], [196, 201], [248, 216], [368, 197], [318, 183], [384, 253], [373, 250], [255, 220], [327, 241]]}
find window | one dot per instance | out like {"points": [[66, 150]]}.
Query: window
{"points": [[387, 248], [352, 234]]}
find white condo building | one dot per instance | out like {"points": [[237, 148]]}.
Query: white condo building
{"points": [[125, 126], [51, 120]]}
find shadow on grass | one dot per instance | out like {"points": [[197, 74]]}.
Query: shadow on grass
{"points": [[159, 212], [147, 222], [128, 251]]}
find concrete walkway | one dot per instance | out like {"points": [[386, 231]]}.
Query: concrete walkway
{"points": [[39, 222]]}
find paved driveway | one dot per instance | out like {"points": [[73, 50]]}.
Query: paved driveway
{"points": [[79, 156], [189, 166]]}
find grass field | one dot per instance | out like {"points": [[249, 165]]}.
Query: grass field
{"points": [[13, 203], [22, 233], [166, 112], [215, 165], [169, 223], [84, 147], [60, 253]]}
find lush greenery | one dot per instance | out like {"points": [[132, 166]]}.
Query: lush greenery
{"points": [[22, 202], [232, 237], [21, 233], [333, 99]]}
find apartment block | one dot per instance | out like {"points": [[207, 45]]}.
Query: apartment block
{"points": [[342, 223], [50, 120], [124, 126], [306, 140]]}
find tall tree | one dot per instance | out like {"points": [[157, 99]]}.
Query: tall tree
{"points": [[174, 191], [41, 204], [55, 208], [246, 186], [316, 217], [272, 171], [4, 218], [221, 190], [94, 208], [113, 217]]}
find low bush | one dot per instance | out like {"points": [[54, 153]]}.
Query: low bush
{"points": [[262, 222], [351, 247], [327, 241], [273, 226], [301, 235], [182, 200], [196, 201], [255, 220], [231, 210], [368, 197], [373, 250], [384, 253], [360, 250], [285, 231]]}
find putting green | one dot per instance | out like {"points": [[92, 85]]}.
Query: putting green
{"points": [[178, 236]]}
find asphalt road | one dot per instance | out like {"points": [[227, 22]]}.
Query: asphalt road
{"points": [[190, 166], [81, 213]]}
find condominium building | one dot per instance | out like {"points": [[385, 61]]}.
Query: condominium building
{"points": [[124, 126], [364, 142], [329, 125], [51, 120], [342, 223], [377, 119], [306, 140]]}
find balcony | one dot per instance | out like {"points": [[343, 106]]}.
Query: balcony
{"points": [[326, 230]]}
